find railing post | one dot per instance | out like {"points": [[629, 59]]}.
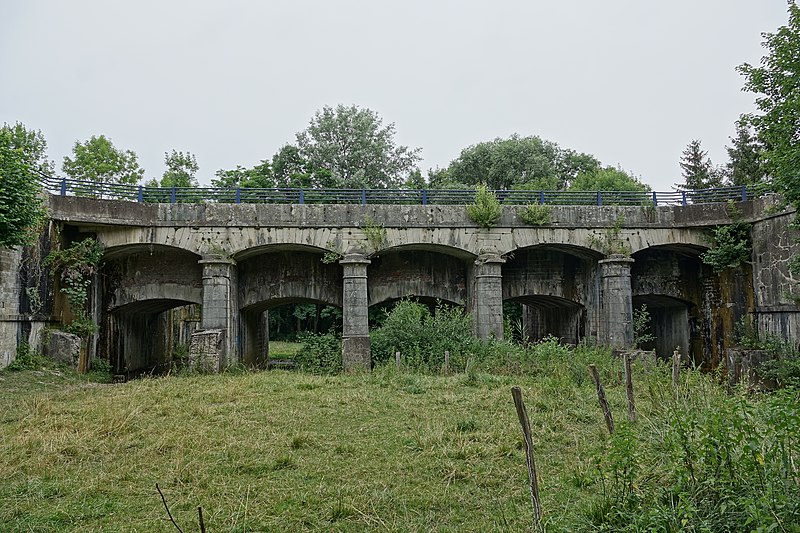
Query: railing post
{"points": [[140, 195], [599, 198], [174, 195], [541, 197], [238, 195], [683, 197], [424, 196], [655, 198], [302, 198], [363, 197], [744, 193], [63, 186]]}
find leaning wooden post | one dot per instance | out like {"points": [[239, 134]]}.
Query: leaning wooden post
{"points": [[676, 370], [629, 386], [522, 414], [601, 397]]}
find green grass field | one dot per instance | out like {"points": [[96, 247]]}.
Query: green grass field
{"points": [[285, 451]]}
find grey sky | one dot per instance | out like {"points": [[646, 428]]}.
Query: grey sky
{"points": [[630, 81]]}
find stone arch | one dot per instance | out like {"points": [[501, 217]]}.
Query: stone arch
{"points": [[424, 271], [671, 281], [557, 287]]}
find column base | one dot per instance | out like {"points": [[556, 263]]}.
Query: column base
{"points": [[356, 354]]}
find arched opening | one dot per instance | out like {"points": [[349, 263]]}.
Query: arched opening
{"points": [[669, 325], [150, 335], [270, 330], [544, 316]]}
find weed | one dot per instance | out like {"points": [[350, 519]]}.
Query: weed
{"points": [[374, 232], [485, 210], [536, 214]]}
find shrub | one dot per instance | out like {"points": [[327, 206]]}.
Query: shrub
{"points": [[731, 247], [536, 214], [320, 353], [422, 337], [27, 358], [486, 208]]}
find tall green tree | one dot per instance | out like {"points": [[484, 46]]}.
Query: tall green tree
{"points": [[516, 162], [181, 170], [98, 160], [33, 146], [355, 146], [777, 123], [697, 170], [744, 165], [22, 156], [607, 179], [259, 176], [291, 169]]}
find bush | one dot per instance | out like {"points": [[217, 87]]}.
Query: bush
{"points": [[486, 209], [422, 337], [536, 214], [320, 353], [27, 358]]}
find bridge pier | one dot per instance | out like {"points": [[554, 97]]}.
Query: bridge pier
{"points": [[355, 317], [487, 300], [214, 347], [616, 302]]}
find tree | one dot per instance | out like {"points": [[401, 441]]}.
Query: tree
{"points": [[181, 170], [516, 162], [259, 176], [744, 165], [98, 160], [354, 145], [607, 179], [32, 144], [291, 169], [777, 125], [22, 154], [698, 171]]}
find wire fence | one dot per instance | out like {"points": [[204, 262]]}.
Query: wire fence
{"points": [[172, 195]]}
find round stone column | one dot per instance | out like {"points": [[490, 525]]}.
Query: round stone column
{"points": [[355, 318], [487, 311], [616, 302]]}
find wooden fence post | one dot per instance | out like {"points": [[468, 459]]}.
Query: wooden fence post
{"points": [[629, 386], [601, 397], [676, 370], [522, 414], [446, 367], [397, 360]]}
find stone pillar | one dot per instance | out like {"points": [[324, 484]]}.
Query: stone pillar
{"points": [[220, 309], [355, 319], [616, 302], [487, 306]]}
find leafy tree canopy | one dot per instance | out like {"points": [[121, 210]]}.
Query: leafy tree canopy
{"points": [[355, 147], [32, 144], [607, 179], [516, 162], [98, 160], [259, 176], [777, 125], [181, 170], [21, 207], [291, 169]]}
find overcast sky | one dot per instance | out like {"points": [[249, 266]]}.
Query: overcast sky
{"points": [[630, 81]]}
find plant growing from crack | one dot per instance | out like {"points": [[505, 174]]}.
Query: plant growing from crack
{"points": [[485, 210], [374, 232], [610, 242]]}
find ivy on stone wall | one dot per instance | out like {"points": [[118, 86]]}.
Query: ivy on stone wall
{"points": [[75, 267]]}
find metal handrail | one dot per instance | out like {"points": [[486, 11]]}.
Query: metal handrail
{"points": [[280, 195]]}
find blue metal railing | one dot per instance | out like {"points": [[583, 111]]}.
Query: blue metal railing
{"points": [[143, 194]]}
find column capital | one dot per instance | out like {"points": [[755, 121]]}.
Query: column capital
{"points": [[354, 259], [617, 259], [484, 258], [216, 260]]}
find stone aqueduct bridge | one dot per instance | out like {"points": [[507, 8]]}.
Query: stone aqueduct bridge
{"points": [[238, 261]]}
